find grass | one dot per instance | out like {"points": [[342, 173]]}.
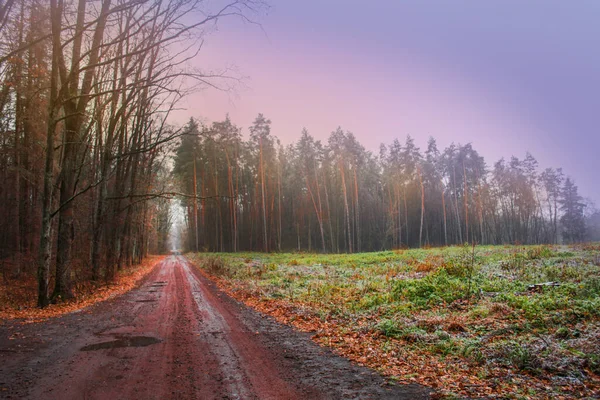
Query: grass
{"points": [[464, 320]]}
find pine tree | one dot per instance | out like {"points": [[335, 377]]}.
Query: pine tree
{"points": [[572, 220]]}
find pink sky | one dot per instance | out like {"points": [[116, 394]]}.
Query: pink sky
{"points": [[457, 84]]}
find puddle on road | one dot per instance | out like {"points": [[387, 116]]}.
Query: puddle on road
{"points": [[159, 283], [131, 341]]}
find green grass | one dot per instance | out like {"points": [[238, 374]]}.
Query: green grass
{"points": [[470, 304]]}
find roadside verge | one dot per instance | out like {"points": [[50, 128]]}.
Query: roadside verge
{"points": [[22, 303]]}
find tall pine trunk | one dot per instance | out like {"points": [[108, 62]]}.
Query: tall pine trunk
{"points": [[422, 207], [347, 209], [195, 206], [264, 204]]}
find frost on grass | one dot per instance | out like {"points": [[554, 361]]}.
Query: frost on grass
{"points": [[462, 320]]}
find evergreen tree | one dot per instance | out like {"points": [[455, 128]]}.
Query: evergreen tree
{"points": [[572, 220]]}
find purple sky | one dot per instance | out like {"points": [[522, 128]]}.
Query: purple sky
{"points": [[508, 76]]}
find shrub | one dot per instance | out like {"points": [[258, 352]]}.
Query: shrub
{"points": [[562, 333], [456, 269], [472, 351], [515, 264], [388, 327], [592, 361], [590, 289], [521, 357], [372, 300], [539, 252], [446, 347], [436, 288], [216, 266], [429, 264], [411, 334], [442, 335]]}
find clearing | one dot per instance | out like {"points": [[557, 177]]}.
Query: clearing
{"points": [[517, 321]]}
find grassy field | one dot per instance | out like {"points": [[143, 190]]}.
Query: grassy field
{"points": [[496, 321]]}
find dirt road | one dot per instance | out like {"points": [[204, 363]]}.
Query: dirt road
{"points": [[177, 337]]}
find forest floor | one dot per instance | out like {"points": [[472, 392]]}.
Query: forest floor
{"points": [[18, 296], [486, 321], [176, 335]]}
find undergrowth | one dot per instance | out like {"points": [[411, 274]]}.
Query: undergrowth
{"points": [[475, 314]]}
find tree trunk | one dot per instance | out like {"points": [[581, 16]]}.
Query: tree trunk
{"points": [[331, 238], [318, 212], [195, 206], [466, 198], [347, 209], [280, 227], [456, 206], [264, 204], [357, 212], [422, 207], [45, 249], [405, 213], [445, 220]]}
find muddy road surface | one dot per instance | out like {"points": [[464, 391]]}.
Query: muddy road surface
{"points": [[177, 337]]}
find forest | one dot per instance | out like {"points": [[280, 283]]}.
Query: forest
{"points": [[91, 163], [87, 88], [158, 244], [337, 197]]}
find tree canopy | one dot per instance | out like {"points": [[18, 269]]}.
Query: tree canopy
{"points": [[338, 197]]}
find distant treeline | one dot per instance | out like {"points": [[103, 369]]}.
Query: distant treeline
{"points": [[338, 197]]}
